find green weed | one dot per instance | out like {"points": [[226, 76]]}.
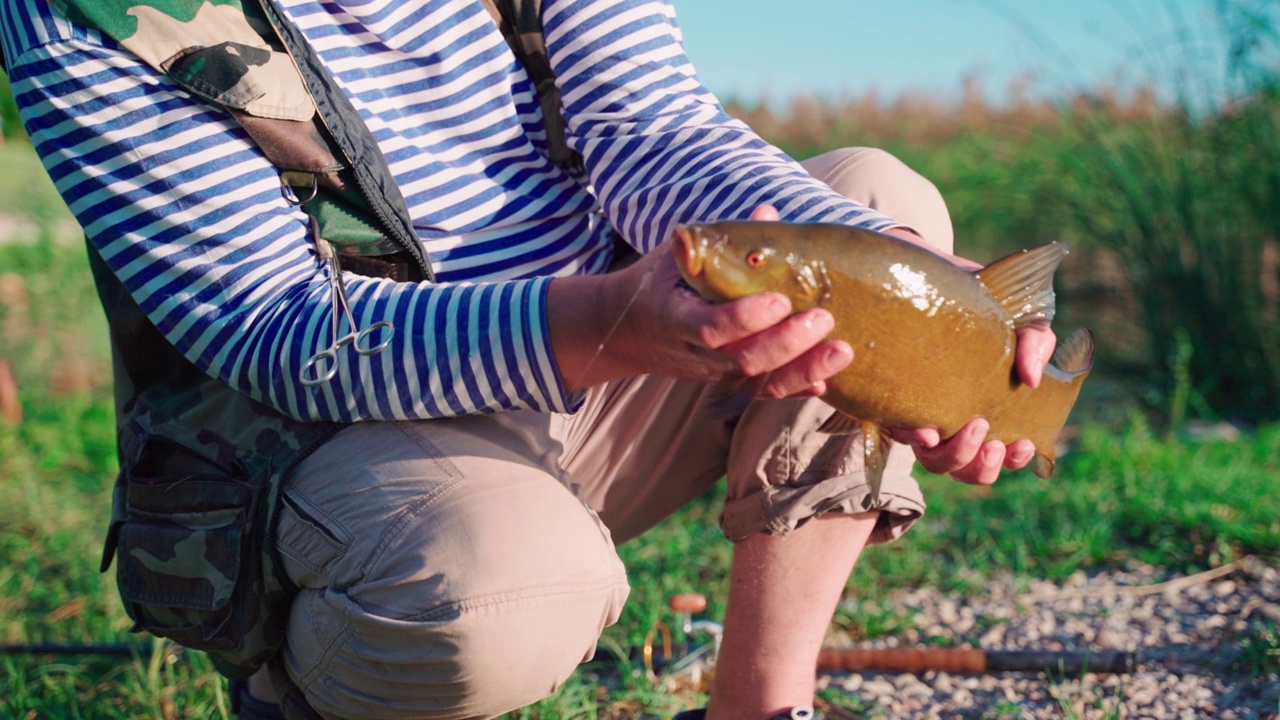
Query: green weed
{"points": [[1260, 650]]}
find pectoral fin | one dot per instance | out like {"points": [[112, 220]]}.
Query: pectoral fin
{"points": [[840, 424], [875, 444], [1022, 283]]}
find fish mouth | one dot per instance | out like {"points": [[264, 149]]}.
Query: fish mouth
{"points": [[688, 255]]}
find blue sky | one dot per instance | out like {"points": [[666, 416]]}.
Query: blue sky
{"points": [[775, 48]]}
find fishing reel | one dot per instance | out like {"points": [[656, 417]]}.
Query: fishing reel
{"points": [[694, 662]]}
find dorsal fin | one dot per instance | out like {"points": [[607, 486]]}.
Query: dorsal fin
{"points": [[1022, 283], [1075, 354]]}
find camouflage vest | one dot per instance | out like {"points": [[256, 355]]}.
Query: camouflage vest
{"points": [[201, 464]]}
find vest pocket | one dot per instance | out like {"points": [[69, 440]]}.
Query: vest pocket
{"points": [[185, 556]]}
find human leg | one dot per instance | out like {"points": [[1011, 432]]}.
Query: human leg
{"points": [[784, 586], [446, 570], [779, 488]]}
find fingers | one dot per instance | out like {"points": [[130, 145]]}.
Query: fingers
{"points": [[1035, 346], [807, 374], [817, 389], [984, 468], [765, 213], [697, 322], [791, 356], [958, 451], [917, 437], [775, 346], [754, 337], [1019, 454], [968, 456]]}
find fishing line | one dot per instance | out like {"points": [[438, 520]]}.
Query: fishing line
{"points": [[644, 284]]}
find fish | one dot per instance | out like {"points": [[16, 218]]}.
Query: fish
{"points": [[933, 343]]}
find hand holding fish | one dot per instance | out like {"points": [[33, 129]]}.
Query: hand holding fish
{"points": [[642, 320], [967, 455], [951, 353]]}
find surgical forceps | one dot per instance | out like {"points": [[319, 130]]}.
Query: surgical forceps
{"points": [[323, 365]]}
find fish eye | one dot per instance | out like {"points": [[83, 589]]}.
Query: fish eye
{"points": [[755, 259]]}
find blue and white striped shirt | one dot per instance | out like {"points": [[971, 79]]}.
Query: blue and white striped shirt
{"points": [[189, 215]]}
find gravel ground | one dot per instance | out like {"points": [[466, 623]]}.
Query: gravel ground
{"points": [[1189, 635]]}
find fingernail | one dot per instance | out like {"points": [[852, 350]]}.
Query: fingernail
{"points": [[779, 308], [930, 441], [839, 355], [821, 321], [990, 455]]}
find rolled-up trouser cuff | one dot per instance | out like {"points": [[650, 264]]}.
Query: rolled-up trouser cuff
{"points": [[777, 510], [784, 471]]}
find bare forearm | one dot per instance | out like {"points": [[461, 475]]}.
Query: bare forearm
{"points": [[641, 321], [578, 311]]}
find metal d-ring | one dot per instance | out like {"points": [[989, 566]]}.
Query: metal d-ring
{"points": [[292, 179]]}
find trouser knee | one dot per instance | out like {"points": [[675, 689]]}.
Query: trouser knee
{"points": [[474, 584], [473, 657], [468, 660], [881, 181]]}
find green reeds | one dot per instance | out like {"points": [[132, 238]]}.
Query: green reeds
{"points": [[1190, 200], [1168, 193]]}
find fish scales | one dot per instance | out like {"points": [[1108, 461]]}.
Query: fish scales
{"points": [[934, 344]]}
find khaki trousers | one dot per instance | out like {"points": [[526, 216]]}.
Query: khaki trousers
{"points": [[462, 568]]}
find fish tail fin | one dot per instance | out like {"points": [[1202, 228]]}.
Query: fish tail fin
{"points": [[1022, 283], [1057, 394]]}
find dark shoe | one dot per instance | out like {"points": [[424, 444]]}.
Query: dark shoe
{"points": [[247, 707], [799, 713]]}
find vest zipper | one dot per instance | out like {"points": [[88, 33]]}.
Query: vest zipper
{"points": [[294, 44]]}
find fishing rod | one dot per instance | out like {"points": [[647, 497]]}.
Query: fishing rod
{"points": [[103, 649], [976, 661], [655, 656], [963, 660], [894, 660]]}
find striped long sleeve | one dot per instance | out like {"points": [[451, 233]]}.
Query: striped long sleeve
{"points": [[188, 214], [659, 147]]}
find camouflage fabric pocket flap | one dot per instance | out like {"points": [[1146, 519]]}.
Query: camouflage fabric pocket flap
{"points": [[254, 80], [184, 538], [178, 567], [212, 48], [186, 560]]}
